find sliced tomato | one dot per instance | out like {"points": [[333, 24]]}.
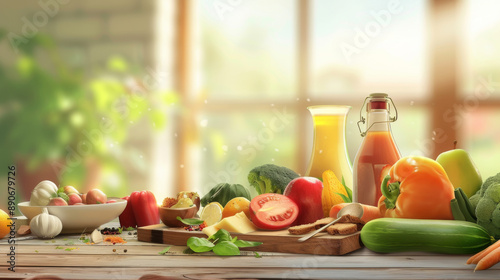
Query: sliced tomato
{"points": [[272, 211]]}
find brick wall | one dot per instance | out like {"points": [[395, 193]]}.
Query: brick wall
{"points": [[90, 30]]}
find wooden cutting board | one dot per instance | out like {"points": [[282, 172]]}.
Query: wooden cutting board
{"points": [[272, 241]]}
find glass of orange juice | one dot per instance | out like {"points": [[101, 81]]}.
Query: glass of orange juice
{"points": [[329, 145]]}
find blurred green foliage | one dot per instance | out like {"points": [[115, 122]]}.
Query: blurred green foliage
{"points": [[49, 111]]}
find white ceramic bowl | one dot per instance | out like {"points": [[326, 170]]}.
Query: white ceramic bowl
{"points": [[78, 218]]}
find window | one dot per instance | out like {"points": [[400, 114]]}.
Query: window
{"points": [[255, 58], [248, 50], [247, 86], [247, 75], [480, 85], [360, 47]]}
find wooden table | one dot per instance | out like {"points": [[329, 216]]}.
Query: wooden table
{"points": [[67, 257]]}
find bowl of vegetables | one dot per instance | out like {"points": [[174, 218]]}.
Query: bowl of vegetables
{"points": [[79, 218], [169, 215], [184, 206], [78, 212]]}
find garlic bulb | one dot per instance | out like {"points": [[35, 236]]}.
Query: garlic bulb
{"points": [[41, 194], [45, 225]]}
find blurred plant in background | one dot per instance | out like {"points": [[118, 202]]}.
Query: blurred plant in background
{"points": [[56, 120]]}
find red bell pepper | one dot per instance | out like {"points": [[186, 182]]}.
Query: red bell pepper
{"points": [[145, 208], [127, 218]]}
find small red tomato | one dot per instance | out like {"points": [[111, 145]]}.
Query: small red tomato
{"points": [[272, 211], [96, 196]]}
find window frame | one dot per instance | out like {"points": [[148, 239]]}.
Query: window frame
{"points": [[445, 21]]}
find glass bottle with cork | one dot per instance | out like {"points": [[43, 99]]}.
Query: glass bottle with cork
{"points": [[378, 148]]}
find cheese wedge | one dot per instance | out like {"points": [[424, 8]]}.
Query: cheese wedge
{"points": [[238, 223]]}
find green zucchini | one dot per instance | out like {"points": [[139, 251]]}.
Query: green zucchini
{"points": [[387, 235]]}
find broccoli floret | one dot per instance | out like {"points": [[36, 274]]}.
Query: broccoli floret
{"points": [[487, 205], [486, 184], [271, 178], [474, 200]]}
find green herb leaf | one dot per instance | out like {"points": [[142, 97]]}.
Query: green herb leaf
{"points": [[344, 198], [190, 222], [63, 195], [257, 255], [59, 247], [221, 235], [164, 251], [226, 248], [120, 230], [130, 229], [348, 191], [223, 244], [199, 244], [243, 243]]}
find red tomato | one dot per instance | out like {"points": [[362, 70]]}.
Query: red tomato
{"points": [[306, 192], [273, 211]]}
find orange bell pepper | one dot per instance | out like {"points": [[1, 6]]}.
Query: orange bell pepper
{"points": [[416, 188]]}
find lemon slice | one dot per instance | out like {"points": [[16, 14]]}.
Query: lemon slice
{"points": [[212, 213]]}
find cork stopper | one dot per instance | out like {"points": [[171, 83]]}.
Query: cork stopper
{"points": [[377, 101]]}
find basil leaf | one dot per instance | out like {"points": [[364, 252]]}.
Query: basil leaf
{"points": [[164, 251], [243, 243], [226, 248], [199, 244], [190, 222], [221, 235], [257, 255]]}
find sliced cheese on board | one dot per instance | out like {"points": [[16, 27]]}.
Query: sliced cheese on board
{"points": [[238, 223]]}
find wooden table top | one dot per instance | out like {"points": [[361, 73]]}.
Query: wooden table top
{"points": [[68, 257]]}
